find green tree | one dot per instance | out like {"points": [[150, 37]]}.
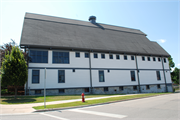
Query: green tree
{"points": [[14, 69], [175, 75], [171, 63]]}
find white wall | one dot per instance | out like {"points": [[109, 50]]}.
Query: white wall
{"points": [[79, 78], [113, 78], [168, 77]]}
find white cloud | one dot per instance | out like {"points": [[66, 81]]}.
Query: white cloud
{"points": [[178, 64], [161, 40]]}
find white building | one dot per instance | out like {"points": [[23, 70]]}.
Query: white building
{"points": [[90, 57]]}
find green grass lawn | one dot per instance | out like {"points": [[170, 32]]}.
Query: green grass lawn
{"points": [[91, 102], [38, 99]]}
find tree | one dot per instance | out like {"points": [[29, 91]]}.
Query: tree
{"points": [[171, 63], [14, 69], [175, 75]]}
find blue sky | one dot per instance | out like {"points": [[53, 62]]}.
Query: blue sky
{"points": [[159, 19]]}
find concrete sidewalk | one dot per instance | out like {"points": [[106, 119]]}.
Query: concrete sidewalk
{"points": [[27, 108]]}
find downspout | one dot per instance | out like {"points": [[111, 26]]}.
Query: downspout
{"points": [[91, 89], [27, 68], [138, 75], [164, 74]]}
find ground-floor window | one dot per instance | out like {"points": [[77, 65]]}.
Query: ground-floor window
{"points": [[158, 86], [105, 89], [134, 87], [37, 91], [121, 88], [86, 90], [35, 76], [61, 76], [101, 76], [61, 90], [147, 87]]}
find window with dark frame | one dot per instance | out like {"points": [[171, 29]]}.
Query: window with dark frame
{"points": [[101, 76], [35, 76], [61, 57], [132, 57], [149, 59], [61, 91], [61, 76], [105, 89], [86, 55], [159, 59], [164, 60], [133, 76], [158, 75], [147, 87], [86, 90], [103, 56], [158, 86], [134, 87], [117, 57], [95, 55], [143, 58], [77, 54], [154, 59], [110, 56], [37, 56], [121, 88], [37, 91], [125, 57]]}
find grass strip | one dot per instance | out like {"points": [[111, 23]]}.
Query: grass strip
{"points": [[38, 99], [98, 101]]}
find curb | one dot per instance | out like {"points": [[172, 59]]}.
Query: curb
{"points": [[64, 108]]}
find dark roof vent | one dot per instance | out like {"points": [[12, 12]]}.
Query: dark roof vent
{"points": [[92, 19]]}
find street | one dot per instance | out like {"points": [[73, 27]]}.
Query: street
{"points": [[165, 107]]}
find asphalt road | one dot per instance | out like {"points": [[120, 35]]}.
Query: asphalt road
{"points": [[165, 107]]}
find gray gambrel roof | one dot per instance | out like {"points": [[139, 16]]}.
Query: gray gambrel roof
{"points": [[41, 31]]}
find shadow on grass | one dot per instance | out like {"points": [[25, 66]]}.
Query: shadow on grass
{"points": [[18, 100]]}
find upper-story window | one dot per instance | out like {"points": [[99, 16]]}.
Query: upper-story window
{"points": [[35, 76], [86, 55], [159, 59], [132, 57], [133, 76], [117, 57], [158, 75], [95, 55], [154, 59], [103, 56], [61, 76], [164, 60], [125, 57], [60, 57], [110, 56], [77, 54], [101, 76], [38, 56], [143, 58], [149, 59]]}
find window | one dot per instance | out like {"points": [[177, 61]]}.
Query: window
{"points": [[121, 88], [154, 59], [133, 76], [77, 54], [86, 55], [61, 76], [125, 57], [111, 56], [149, 59], [158, 75], [95, 55], [37, 91], [132, 57], [143, 58], [117, 57], [158, 86], [164, 60], [159, 59], [134, 87], [86, 90], [105, 89], [35, 76], [108, 70], [147, 87], [73, 70], [103, 56], [101, 76], [38, 56], [61, 90], [61, 57]]}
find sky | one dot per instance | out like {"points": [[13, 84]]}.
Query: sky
{"points": [[159, 19]]}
